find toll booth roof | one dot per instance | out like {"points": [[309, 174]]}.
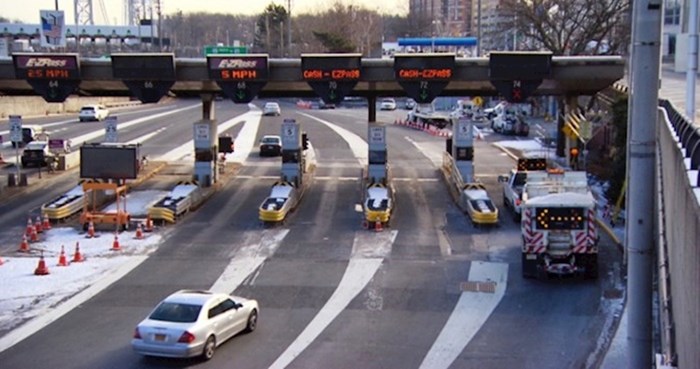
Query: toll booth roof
{"points": [[477, 194], [281, 191]]}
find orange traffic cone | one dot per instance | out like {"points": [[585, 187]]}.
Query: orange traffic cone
{"points": [[30, 228], [149, 224], [34, 237], [62, 262], [91, 230], [24, 245], [378, 226], [139, 232], [115, 244], [2, 261], [77, 257], [41, 268], [37, 225], [47, 223]]}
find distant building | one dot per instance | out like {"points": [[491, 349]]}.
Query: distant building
{"points": [[442, 18]]}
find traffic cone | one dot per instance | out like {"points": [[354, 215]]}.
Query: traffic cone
{"points": [[78, 257], [91, 230], [41, 268], [1, 261], [139, 232], [378, 226], [115, 244], [37, 225], [47, 223], [30, 228], [149, 224], [34, 237], [62, 262], [24, 245]]}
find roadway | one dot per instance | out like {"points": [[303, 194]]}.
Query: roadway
{"points": [[325, 301]]}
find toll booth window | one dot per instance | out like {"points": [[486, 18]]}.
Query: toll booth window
{"points": [[560, 219], [290, 156], [465, 153], [377, 157], [203, 155]]}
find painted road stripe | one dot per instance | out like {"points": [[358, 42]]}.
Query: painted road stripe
{"points": [[249, 258], [369, 251], [470, 313], [358, 146]]}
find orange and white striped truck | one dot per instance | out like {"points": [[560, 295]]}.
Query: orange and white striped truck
{"points": [[558, 225]]}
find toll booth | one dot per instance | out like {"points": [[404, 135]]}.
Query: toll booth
{"points": [[205, 152], [292, 153], [463, 149], [377, 166]]}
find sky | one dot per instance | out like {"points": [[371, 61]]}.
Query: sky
{"points": [[28, 12]]}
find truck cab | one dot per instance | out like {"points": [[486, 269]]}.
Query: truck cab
{"points": [[514, 182]]}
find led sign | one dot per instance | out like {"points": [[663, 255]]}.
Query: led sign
{"points": [[423, 76], [517, 75], [241, 77], [331, 76], [560, 218], [148, 76], [53, 76]]}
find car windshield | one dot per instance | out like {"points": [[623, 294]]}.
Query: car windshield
{"points": [[270, 140], [271, 105], [388, 100], [176, 312], [88, 108]]}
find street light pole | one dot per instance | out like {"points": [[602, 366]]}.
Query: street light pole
{"points": [[478, 28]]}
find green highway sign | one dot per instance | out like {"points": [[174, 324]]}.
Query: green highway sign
{"points": [[209, 50]]}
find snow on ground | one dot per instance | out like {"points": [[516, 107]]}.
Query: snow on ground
{"points": [[25, 295], [138, 202]]}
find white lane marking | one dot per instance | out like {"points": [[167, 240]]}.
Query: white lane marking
{"points": [[358, 146], [470, 313], [369, 251], [243, 143], [146, 137], [432, 155], [248, 259], [41, 321]]}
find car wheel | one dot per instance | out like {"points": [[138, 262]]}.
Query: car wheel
{"points": [[209, 348], [252, 321]]}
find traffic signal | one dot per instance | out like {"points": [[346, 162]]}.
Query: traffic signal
{"points": [[304, 141]]}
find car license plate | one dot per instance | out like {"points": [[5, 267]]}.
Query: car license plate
{"points": [[159, 337]]}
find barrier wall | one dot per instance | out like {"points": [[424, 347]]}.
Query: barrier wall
{"points": [[679, 155], [28, 106]]}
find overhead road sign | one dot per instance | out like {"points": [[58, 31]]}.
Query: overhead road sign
{"points": [[53, 76], [424, 76], [209, 50], [516, 75], [241, 77], [331, 76], [148, 76]]}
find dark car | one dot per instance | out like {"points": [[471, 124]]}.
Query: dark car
{"points": [[36, 153], [270, 146]]}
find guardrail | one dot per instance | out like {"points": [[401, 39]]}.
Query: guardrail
{"points": [[175, 204]]}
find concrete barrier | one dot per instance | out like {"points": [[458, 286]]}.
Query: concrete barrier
{"points": [[28, 106]]}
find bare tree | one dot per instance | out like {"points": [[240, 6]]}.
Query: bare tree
{"points": [[571, 27]]}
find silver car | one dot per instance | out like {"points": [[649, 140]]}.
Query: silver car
{"points": [[194, 323], [272, 108]]}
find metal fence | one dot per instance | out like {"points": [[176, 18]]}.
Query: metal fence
{"points": [[678, 155]]}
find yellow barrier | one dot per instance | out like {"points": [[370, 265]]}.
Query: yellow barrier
{"points": [[64, 211], [272, 215], [373, 216], [484, 218], [165, 214]]}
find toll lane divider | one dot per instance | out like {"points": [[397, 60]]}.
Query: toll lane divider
{"points": [[175, 204]]}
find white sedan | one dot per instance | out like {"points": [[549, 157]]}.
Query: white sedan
{"points": [[192, 323], [93, 112], [387, 104]]}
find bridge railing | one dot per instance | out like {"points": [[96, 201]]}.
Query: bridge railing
{"points": [[678, 226]]}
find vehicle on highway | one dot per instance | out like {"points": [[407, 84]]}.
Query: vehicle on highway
{"points": [[387, 104], [37, 154], [192, 323], [324, 105], [270, 145], [409, 104], [29, 133], [93, 112], [272, 108]]}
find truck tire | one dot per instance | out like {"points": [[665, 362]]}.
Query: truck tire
{"points": [[529, 267]]}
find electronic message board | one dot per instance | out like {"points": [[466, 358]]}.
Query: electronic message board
{"points": [[109, 161], [53, 76], [516, 75], [240, 76], [331, 76], [148, 76], [560, 218], [424, 76]]}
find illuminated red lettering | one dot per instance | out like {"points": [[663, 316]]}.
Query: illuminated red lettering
{"points": [[35, 73], [313, 74], [56, 73]]}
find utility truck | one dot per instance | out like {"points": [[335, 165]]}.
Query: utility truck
{"points": [[426, 114], [558, 225]]}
